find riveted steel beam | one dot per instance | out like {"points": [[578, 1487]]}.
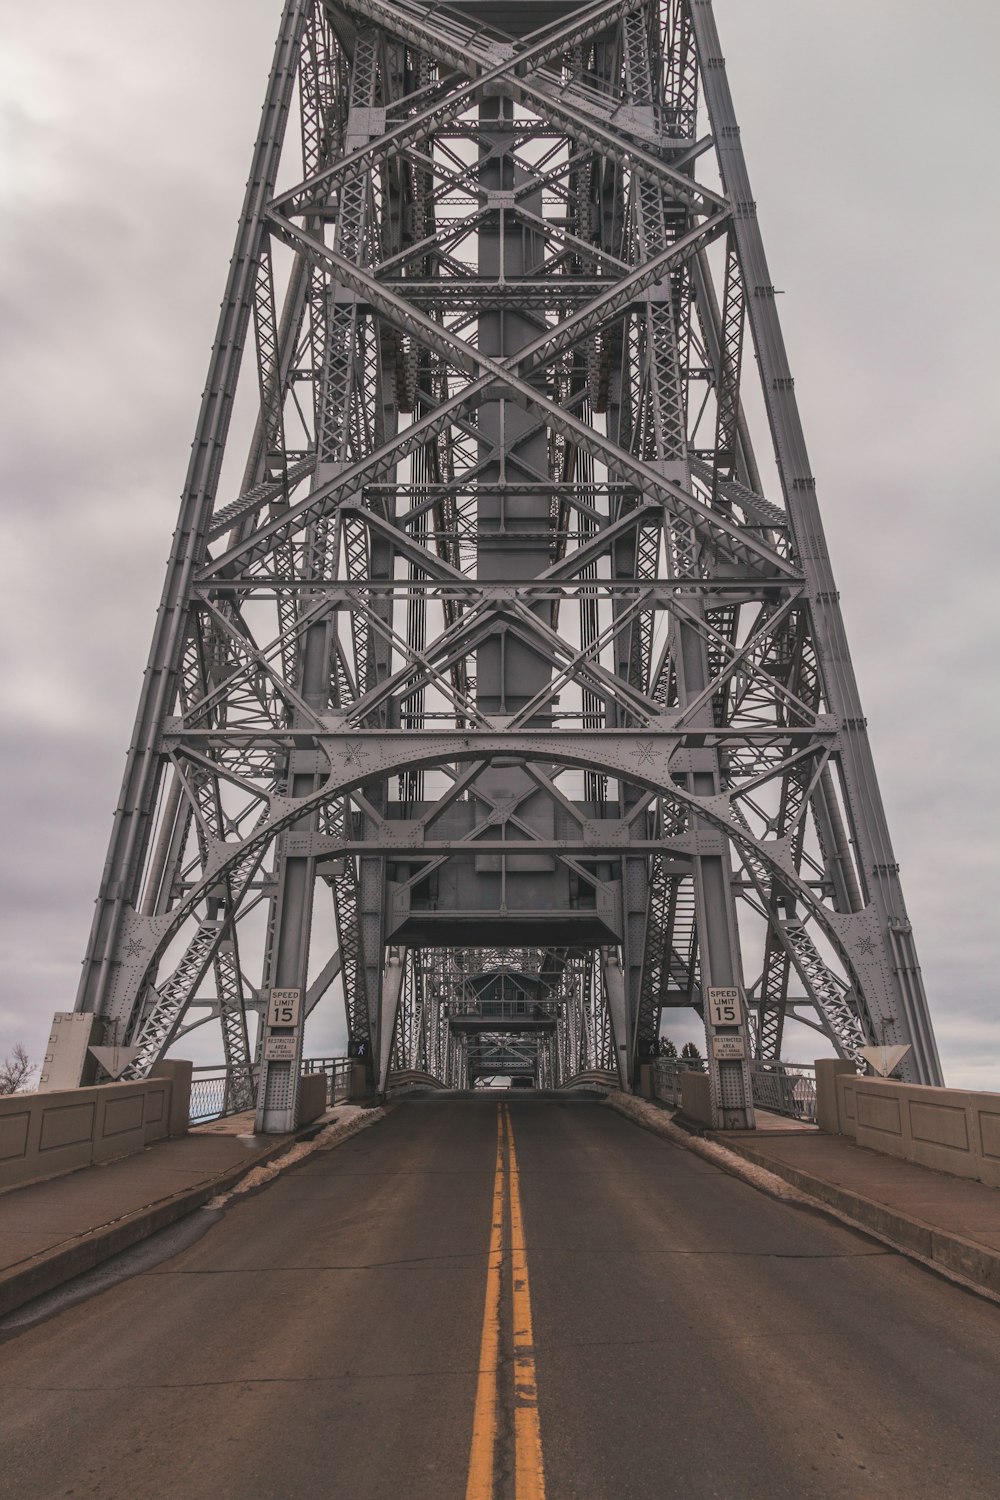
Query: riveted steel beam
{"points": [[499, 638]]}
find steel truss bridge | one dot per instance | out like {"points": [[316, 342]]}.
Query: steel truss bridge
{"points": [[499, 690]]}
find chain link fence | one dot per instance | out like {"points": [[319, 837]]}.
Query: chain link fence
{"points": [[210, 1094]]}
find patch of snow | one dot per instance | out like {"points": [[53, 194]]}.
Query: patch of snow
{"points": [[657, 1120], [339, 1124]]}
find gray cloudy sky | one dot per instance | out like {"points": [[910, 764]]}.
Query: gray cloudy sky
{"points": [[871, 130]]}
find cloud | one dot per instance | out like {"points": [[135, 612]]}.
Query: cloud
{"points": [[117, 228]]}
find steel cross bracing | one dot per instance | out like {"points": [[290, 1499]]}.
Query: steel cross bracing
{"points": [[497, 640]]}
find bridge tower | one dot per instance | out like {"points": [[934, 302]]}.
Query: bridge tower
{"points": [[499, 686]]}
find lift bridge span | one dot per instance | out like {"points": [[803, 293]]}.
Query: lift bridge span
{"points": [[500, 677], [499, 701]]}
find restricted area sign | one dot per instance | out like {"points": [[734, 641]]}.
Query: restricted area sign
{"points": [[723, 1006], [727, 1047], [283, 1007], [279, 1049]]}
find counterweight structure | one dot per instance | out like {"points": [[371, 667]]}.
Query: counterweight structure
{"points": [[501, 689]]}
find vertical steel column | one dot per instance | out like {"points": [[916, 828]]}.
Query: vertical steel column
{"points": [[278, 1088], [718, 935], [907, 1019], [121, 885]]}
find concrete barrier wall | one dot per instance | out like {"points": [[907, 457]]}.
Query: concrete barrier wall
{"points": [[828, 1070], [953, 1130], [696, 1097], [180, 1073], [312, 1097], [44, 1135]]}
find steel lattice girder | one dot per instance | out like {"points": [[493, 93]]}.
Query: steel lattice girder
{"points": [[500, 638]]}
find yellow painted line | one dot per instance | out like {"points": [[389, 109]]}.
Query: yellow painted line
{"points": [[484, 1422], [529, 1473]]}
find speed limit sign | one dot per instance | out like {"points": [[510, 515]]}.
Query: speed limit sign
{"points": [[724, 1006], [283, 1007]]}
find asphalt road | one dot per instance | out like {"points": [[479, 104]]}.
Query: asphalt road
{"points": [[692, 1337]]}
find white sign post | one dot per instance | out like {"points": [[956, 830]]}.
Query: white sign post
{"points": [[727, 1055], [278, 1085]]}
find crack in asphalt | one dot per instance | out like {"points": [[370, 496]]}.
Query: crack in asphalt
{"points": [[476, 1260], [464, 1372]]}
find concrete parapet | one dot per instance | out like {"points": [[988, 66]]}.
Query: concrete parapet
{"points": [[952, 1130], [696, 1097], [45, 1135], [360, 1089], [312, 1097], [828, 1069], [179, 1073]]}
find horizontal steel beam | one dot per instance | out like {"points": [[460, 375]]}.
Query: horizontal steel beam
{"points": [[537, 744]]}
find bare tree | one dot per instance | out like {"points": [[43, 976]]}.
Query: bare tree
{"points": [[15, 1070]]}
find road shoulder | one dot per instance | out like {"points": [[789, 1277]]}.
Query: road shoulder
{"points": [[53, 1231], [956, 1231]]}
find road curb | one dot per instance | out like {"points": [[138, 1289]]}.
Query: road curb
{"points": [[966, 1259], [52, 1268], [967, 1262]]}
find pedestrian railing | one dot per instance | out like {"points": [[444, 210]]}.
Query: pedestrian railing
{"points": [[338, 1075], [785, 1089], [505, 1010], [667, 1076], [215, 1092], [211, 1094]]}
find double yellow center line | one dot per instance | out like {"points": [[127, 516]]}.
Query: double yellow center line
{"points": [[529, 1477]]}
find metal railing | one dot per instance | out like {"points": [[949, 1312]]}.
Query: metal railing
{"points": [[338, 1075], [667, 1076], [491, 1010], [212, 1095], [785, 1089]]}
